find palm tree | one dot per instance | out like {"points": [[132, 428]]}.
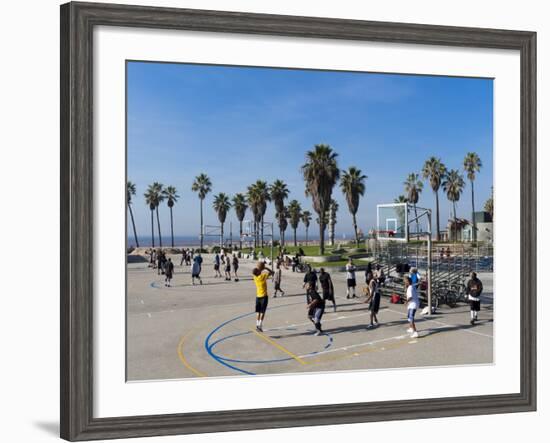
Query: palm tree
{"points": [[453, 185], [278, 192], [150, 199], [472, 164], [221, 205], [353, 187], [282, 218], [157, 197], [489, 205], [240, 206], [333, 209], [258, 196], [320, 175], [434, 171], [202, 185], [294, 214], [130, 191], [306, 220], [171, 195], [413, 188]]}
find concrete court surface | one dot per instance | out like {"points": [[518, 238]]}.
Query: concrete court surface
{"points": [[209, 331]]}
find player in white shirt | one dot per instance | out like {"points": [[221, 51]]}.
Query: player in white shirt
{"points": [[413, 303]]}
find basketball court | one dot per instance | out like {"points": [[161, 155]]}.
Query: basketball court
{"points": [[209, 330]]}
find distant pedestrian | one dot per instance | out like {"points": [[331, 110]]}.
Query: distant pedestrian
{"points": [[374, 301], [227, 269], [217, 272], [350, 279], [260, 274], [168, 272], [235, 266], [474, 288], [412, 306], [277, 280], [196, 269], [327, 287]]}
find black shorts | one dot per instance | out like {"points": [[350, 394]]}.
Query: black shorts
{"points": [[351, 283], [216, 267], [261, 304], [277, 286], [475, 305], [327, 295], [375, 303]]}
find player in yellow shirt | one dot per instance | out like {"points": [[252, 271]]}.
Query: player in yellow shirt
{"points": [[261, 273]]}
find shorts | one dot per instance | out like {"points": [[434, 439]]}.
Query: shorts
{"points": [[375, 303], [475, 305], [261, 304], [351, 283], [216, 267], [316, 313], [277, 286], [410, 315], [196, 275], [327, 295]]}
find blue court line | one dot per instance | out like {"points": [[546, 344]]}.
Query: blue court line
{"points": [[208, 346]]}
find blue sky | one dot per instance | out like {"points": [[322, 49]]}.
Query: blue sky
{"points": [[239, 124]]}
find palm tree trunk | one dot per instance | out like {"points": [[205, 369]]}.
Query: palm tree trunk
{"points": [[307, 229], [321, 237], [172, 227], [355, 229], [437, 236], [474, 230], [262, 231], [152, 230], [221, 238], [202, 230], [240, 234], [158, 226], [133, 225], [295, 244], [454, 222]]}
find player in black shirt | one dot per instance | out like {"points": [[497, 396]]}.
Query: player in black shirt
{"points": [[327, 287], [315, 309], [310, 281]]}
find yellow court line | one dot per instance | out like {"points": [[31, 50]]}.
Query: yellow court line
{"points": [[278, 346], [184, 360]]}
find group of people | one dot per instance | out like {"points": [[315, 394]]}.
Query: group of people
{"points": [[316, 301], [229, 263]]}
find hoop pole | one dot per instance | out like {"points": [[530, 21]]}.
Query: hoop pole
{"points": [[272, 244]]}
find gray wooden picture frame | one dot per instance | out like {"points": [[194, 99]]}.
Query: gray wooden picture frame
{"points": [[77, 23]]}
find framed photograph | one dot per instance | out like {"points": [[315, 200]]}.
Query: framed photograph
{"points": [[273, 221]]}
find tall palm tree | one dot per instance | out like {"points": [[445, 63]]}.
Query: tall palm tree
{"points": [[333, 209], [472, 164], [221, 205], [131, 191], [453, 185], [155, 190], [434, 171], [278, 193], [320, 175], [259, 192], [413, 188], [240, 206], [353, 187], [150, 200], [294, 214], [171, 195], [306, 220], [489, 205], [282, 219], [202, 186]]}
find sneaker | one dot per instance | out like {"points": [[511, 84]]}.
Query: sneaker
{"points": [[335, 309], [318, 333], [375, 323], [409, 330], [414, 334], [347, 296], [370, 326], [274, 295], [259, 329], [472, 321]]}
